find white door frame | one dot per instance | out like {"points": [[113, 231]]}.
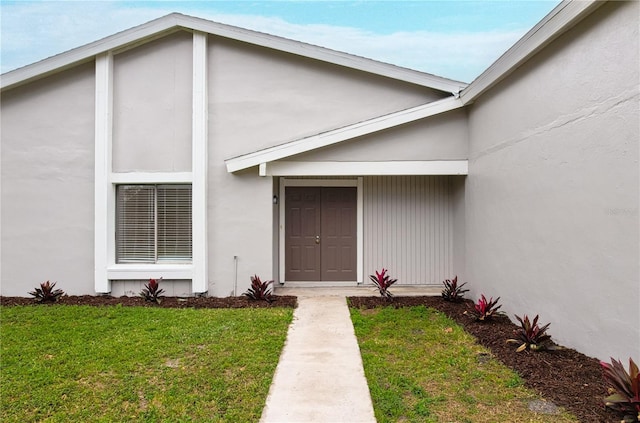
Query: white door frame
{"points": [[285, 182]]}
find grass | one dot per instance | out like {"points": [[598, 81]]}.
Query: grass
{"points": [[81, 363], [422, 367]]}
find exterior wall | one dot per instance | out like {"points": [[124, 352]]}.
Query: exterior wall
{"points": [[258, 98], [553, 189], [409, 227], [261, 97], [152, 106], [441, 137], [240, 227], [47, 183], [132, 288]]}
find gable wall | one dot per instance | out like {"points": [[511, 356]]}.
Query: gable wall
{"points": [[553, 188], [47, 183], [152, 87], [260, 97], [440, 137]]}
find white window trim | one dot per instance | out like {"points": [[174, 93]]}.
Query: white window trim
{"points": [[284, 182], [105, 267], [143, 271]]}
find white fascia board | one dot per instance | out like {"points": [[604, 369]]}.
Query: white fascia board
{"points": [[174, 22], [322, 54], [342, 134], [559, 20], [148, 31], [424, 167]]}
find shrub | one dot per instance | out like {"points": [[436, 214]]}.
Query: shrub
{"points": [[152, 291], [624, 389], [485, 310], [382, 281], [259, 290], [453, 292], [531, 336], [46, 293]]}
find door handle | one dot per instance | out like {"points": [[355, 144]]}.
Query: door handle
{"points": [[317, 239]]}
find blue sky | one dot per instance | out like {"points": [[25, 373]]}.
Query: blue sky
{"points": [[454, 39]]}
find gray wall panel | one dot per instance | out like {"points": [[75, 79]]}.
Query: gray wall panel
{"points": [[409, 227]]}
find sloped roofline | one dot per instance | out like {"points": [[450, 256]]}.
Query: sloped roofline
{"points": [[342, 134], [175, 22], [563, 17]]}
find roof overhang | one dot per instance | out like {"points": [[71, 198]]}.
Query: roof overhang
{"points": [[560, 19], [175, 22], [342, 134], [379, 168]]}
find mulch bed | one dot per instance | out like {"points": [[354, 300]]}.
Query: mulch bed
{"points": [[167, 302], [565, 377]]}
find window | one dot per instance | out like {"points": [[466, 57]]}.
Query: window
{"points": [[153, 223]]}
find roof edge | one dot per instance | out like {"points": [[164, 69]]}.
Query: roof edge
{"points": [[338, 135], [175, 21], [559, 20]]}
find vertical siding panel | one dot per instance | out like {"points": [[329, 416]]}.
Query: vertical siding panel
{"points": [[408, 227]]}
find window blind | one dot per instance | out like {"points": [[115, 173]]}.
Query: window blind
{"points": [[153, 223], [174, 223]]}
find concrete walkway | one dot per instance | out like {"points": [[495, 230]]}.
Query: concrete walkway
{"points": [[320, 377]]}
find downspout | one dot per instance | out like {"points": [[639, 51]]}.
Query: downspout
{"points": [[235, 276]]}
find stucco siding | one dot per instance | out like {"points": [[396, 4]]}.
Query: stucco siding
{"points": [[47, 183], [441, 137], [240, 231], [152, 106], [261, 97], [553, 189], [409, 227]]}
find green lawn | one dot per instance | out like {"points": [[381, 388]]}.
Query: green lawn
{"points": [[79, 363], [422, 367]]}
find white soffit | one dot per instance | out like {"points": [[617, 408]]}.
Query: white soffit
{"points": [[176, 21], [559, 20], [342, 134], [425, 167]]}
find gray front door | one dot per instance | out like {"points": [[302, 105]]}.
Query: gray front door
{"points": [[320, 233]]}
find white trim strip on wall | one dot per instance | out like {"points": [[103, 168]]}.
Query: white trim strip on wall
{"points": [[152, 178], [145, 271], [342, 134], [425, 167], [104, 200], [199, 160]]}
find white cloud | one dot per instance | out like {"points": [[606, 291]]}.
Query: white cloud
{"points": [[35, 31]]}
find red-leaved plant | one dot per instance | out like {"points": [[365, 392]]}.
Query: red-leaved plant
{"points": [[531, 336], [259, 290], [152, 291], [46, 293], [624, 389], [452, 291], [485, 310], [382, 281]]}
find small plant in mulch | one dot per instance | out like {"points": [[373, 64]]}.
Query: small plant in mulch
{"points": [[452, 291], [382, 281], [46, 293], [485, 309], [259, 290], [624, 389], [152, 291], [532, 337]]}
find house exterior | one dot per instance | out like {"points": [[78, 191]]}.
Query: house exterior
{"points": [[204, 154]]}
